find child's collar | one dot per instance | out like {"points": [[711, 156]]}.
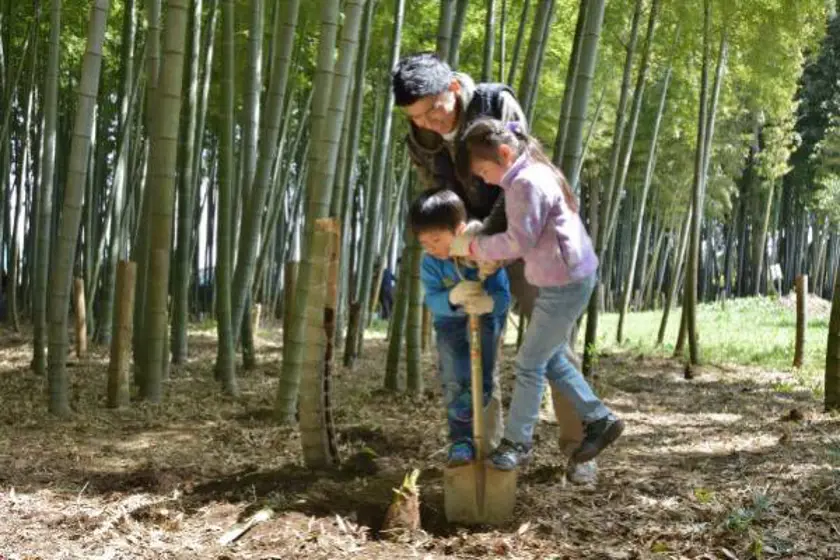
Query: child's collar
{"points": [[514, 170]]}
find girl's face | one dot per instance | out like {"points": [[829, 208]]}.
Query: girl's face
{"points": [[492, 171]]}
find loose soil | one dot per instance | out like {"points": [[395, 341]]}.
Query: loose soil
{"points": [[735, 463]]}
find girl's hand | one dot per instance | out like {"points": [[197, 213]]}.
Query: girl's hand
{"points": [[488, 268], [461, 245]]}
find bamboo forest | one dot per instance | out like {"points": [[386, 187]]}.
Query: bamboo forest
{"points": [[386, 279]]}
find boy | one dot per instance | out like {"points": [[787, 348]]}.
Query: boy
{"points": [[454, 291]]}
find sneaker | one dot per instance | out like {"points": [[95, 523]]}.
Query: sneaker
{"points": [[597, 436], [510, 455], [461, 452], [582, 473]]}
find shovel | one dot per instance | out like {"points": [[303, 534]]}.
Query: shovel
{"points": [[477, 494]]}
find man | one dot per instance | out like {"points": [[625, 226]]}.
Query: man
{"points": [[439, 104]]}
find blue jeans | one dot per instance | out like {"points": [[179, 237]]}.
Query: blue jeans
{"points": [[453, 343], [543, 355]]}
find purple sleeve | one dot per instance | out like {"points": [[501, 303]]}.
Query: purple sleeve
{"points": [[526, 208]]}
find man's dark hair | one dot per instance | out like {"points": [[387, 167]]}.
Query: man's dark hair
{"points": [[436, 210], [419, 75]]}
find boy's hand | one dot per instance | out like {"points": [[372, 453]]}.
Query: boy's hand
{"points": [[461, 245], [479, 304], [463, 291]]}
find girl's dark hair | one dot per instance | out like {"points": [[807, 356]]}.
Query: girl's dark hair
{"points": [[483, 137], [436, 210]]}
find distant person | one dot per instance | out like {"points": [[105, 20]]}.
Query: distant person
{"points": [[545, 229], [386, 294], [454, 291]]}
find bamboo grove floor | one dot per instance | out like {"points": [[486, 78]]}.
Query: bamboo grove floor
{"points": [[736, 463]]}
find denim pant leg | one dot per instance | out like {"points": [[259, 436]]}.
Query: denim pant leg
{"points": [[555, 312], [454, 370], [567, 379]]}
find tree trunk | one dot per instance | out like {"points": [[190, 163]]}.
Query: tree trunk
{"points": [[317, 434], [249, 239], [638, 96], [761, 241], [610, 197], [64, 249], [677, 264], [398, 321], [324, 135], [187, 193], [502, 43], [569, 90], [573, 148], [520, 38], [141, 249], [539, 35], [650, 162], [706, 128], [377, 180], [457, 30], [832, 354], [163, 170], [444, 36], [44, 220], [346, 186], [225, 354], [414, 331], [489, 41]]}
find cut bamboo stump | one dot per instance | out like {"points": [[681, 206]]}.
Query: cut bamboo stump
{"points": [[118, 368], [81, 318], [256, 312], [314, 406], [426, 337], [801, 319]]}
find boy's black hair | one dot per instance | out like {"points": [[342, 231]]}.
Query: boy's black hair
{"points": [[419, 75], [436, 210]]}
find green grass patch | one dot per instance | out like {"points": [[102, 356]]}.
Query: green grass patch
{"points": [[749, 331]]}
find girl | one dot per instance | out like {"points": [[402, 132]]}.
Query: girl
{"points": [[544, 228]]}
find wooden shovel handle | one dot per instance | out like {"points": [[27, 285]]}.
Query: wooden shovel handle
{"points": [[477, 387]]}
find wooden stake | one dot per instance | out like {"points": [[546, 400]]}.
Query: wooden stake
{"points": [[801, 319], [118, 368], [81, 319]]}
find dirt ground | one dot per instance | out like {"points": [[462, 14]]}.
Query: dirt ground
{"points": [[733, 464]]}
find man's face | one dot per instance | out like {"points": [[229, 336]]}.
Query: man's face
{"points": [[438, 113]]}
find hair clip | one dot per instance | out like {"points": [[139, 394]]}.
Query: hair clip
{"points": [[514, 126]]}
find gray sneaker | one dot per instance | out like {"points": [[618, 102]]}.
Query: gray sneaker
{"points": [[510, 455]]}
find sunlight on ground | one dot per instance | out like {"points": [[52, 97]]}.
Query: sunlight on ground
{"points": [[750, 331]]}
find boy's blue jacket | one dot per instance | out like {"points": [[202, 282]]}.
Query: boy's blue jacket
{"points": [[439, 276]]}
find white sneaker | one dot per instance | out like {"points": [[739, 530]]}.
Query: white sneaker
{"points": [[582, 473]]}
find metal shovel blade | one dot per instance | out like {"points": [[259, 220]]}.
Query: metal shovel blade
{"points": [[476, 494], [460, 493]]}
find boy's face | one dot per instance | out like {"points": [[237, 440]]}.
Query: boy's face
{"points": [[436, 242]]}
